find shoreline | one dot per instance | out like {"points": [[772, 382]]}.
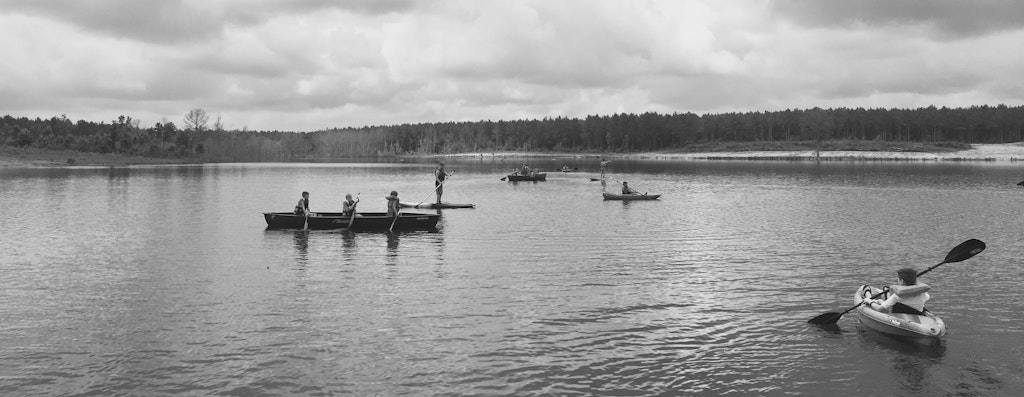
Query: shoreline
{"points": [[991, 152], [13, 157], [987, 152]]}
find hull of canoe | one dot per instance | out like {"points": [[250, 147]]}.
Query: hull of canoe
{"points": [[540, 176], [363, 221], [630, 197]]}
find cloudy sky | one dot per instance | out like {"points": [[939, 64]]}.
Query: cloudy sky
{"points": [[305, 65]]}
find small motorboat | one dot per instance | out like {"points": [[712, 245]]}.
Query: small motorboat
{"points": [[434, 206], [630, 197], [899, 324]]}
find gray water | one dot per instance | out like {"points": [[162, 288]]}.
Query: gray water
{"points": [[163, 280]]}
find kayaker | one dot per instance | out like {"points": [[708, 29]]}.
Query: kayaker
{"points": [[349, 206], [302, 208], [439, 176], [392, 203], [908, 296], [626, 189]]}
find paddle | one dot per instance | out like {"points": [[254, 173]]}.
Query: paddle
{"points": [[353, 216], [397, 214], [960, 253], [644, 194]]}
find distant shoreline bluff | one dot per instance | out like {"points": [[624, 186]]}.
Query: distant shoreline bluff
{"points": [[979, 152], [1004, 152]]}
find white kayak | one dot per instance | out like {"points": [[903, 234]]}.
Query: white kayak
{"points": [[901, 324]]}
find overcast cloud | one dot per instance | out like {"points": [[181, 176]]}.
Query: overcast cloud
{"points": [[305, 65]]}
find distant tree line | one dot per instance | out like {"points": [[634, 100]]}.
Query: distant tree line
{"points": [[622, 133]]}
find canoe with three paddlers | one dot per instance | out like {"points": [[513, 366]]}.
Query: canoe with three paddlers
{"points": [[901, 324], [363, 221], [629, 197], [434, 206]]}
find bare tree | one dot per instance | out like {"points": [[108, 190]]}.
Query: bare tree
{"points": [[218, 125], [196, 119]]}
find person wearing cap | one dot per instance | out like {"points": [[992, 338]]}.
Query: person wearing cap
{"points": [[439, 176], [392, 203], [907, 296], [626, 189], [302, 208]]}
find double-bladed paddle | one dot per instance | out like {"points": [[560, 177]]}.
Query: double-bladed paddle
{"points": [[960, 253]]}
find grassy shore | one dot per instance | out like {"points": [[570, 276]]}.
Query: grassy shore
{"points": [[32, 157]]}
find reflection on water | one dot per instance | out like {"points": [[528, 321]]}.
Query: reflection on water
{"points": [[913, 360], [301, 245], [164, 280]]}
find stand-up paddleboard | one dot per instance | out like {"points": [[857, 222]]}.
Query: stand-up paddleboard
{"points": [[432, 206]]}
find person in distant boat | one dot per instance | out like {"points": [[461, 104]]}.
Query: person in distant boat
{"points": [[439, 177], [392, 203], [302, 208], [907, 296], [604, 166], [349, 206], [525, 170], [628, 190]]}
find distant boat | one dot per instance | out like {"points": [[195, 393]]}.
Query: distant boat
{"points": [[364, 221], [533, 176], [630, 197], [1021, 183]]}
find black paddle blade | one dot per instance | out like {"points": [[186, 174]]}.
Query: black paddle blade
{"points": [[965, 251], [826, 319]]}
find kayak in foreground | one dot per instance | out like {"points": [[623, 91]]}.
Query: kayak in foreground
{"points": [[432, 206], [900, 324], [628, 197]]}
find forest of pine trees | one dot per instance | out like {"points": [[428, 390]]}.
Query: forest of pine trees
{"points": [[620, 133]]}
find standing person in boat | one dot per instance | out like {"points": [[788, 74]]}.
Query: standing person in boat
{"points": [[439, 176], [604, 166], [908, 296], [628, 190], [392, 203], [349, 206], [525, 170], [302, 208]]}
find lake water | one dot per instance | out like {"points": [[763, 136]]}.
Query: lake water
{"points": [[163, 280]]}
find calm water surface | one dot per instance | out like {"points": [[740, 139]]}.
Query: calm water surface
{"points": [[164, 281]]}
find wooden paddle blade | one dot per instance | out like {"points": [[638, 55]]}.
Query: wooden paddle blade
{"points": [[965, 251], [826, 318]]}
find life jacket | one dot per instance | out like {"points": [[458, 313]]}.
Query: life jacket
{"points": [[914, 296]]}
